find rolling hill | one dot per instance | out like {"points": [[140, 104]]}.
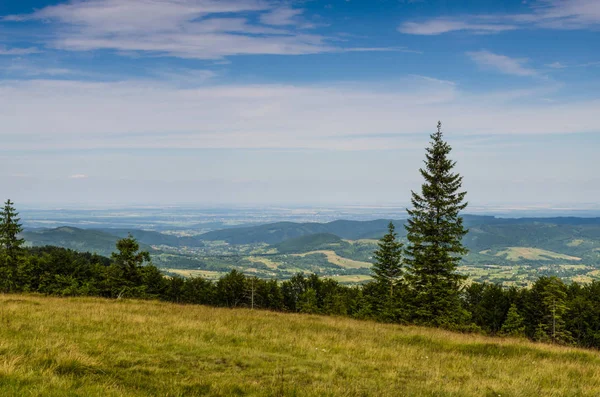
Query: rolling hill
{"points": [[311, 242], [82, 240], [278, 232]]}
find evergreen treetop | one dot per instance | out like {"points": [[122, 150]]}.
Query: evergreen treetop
{"points": [[513, 325], [435, 231], [387, 269], [10, 228]]}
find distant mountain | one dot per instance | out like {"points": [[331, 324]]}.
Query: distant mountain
{"points": [[490, 240], [278, 232], [82, 240], [311, 242], [155, 238]]}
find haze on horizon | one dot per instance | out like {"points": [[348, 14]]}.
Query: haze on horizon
{"points": [[256, 102]]}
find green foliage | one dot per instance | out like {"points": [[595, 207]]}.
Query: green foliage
{"points": [[311, 242], [387, 268], [513, 325], [129, 260], [435, 230], [488, 305], [10, 246]]}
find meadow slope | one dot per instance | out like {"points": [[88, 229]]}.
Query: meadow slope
{"points": [[96, 347]]}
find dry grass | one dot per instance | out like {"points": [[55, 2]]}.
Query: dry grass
{"points": [[352, 278], [95, 347], [207, 274], [518, 253], [335, 259]]}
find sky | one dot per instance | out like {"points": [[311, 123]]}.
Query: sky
{"points": [[258, 102]]}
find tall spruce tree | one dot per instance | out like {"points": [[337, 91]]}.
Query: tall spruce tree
{"points": [[387, 269], [435, 231], [10, 244]]}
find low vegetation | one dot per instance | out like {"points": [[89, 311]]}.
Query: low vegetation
{"points": [[95, 347]]}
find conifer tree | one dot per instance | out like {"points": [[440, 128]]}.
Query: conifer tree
{"points": [[129, 260], [387, 269], [10, 228], [513, 325], [435, 231], [10, 244]]}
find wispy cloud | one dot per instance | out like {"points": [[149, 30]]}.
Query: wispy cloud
{"points": [[200, 29], [502, 63], [546, 14], [560, 65], [78, 176], [18, 51], [281, 16], [72, 115], [556, 65], [445, 25]]}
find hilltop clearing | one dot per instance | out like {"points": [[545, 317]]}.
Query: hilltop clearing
{"points": [[96, 347]]}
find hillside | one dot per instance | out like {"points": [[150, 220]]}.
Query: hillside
{"points": [[102, 241], [506, 251], [278, 232], [156, 238], [311, 242], [82, 240], [95, 347]]}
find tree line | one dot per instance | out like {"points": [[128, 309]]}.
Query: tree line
{"points": [[416, 284]]}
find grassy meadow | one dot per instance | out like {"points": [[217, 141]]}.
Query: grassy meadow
{"points": [[95, 347]]}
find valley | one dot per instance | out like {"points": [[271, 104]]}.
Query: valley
{"points": [[508, 251]]}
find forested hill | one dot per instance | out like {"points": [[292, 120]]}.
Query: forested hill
{"points": [[278, 232], [102, 241], [497, 231], [490, 239]]}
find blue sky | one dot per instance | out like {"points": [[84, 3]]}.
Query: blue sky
{"points": [[303, 102]]}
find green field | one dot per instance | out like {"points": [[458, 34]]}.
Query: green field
{"points": [[95, 347]]}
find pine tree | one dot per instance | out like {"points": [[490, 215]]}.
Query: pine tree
{"points": [[9, 230], [10, 244], [435, 231], [551, 295], [129, 260], [387, 269], [513, 325]]}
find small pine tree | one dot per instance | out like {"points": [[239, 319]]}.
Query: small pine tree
{"points": [[129, 260], [513, 325], [541, 334], [435, 231], [10, 244], [10, 228], [387, 269]]}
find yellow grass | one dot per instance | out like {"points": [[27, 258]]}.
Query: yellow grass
{"points": [[363, 241], [335, 259], [94, 347], [266, 261], [208, 274], [518, 253], [353, 278]]}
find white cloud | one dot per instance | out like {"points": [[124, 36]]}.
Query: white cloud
{"points": [[74, 115], [502, 63], [556, 65], [281, 16], [547, 14], [445, 25], [18, 51], [78, 176], [200, 29]]}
